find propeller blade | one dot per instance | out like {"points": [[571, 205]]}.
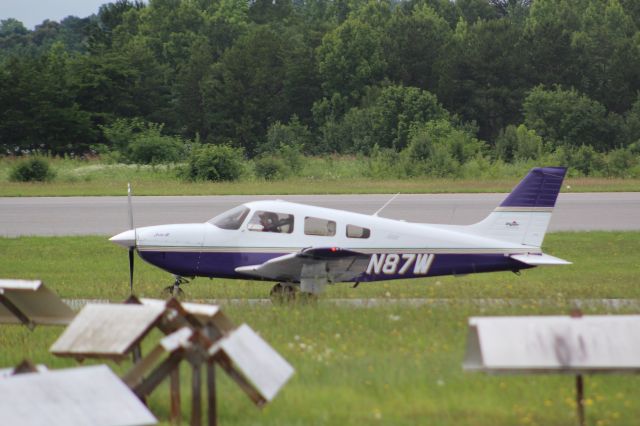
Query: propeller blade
{"points": [[135, 237], [130, 206], [131, 269]]}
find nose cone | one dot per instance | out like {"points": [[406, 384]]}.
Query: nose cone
{"points": [[125, 239]]}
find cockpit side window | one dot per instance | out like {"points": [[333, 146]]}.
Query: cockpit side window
{"points": [[318, 226], [264, 221], [231, 219], [354, 231]]}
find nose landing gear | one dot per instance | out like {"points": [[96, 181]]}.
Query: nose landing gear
{"points": [[175, 290]]}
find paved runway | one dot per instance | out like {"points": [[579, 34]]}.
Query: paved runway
{"points": [[108, 215]]}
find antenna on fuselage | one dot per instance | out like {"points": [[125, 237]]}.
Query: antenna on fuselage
{"points": [[386, 204]]}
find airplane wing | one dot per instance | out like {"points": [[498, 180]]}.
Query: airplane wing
{"points": [[336, 265], [540, 259]]}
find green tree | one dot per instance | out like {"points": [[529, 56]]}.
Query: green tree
{"points": [[481, 75], [609, 55], [414, 44], [548, 35], [474, 10], [38, 108], [384, 119], [245, 90], [569, 118], [350, 58]]}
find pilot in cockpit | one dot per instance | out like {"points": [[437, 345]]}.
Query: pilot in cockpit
{"points": [[269, 222]]}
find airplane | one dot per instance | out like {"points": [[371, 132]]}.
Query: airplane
{"points": [[303, 247]]}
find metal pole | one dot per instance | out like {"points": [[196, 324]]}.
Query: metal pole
{"points": [[580, 399], [196, 400]]}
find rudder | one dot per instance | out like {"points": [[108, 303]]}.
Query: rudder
{"points": [[523, 217]]}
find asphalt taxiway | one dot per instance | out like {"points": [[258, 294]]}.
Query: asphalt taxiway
{"points": [[47, 216]]}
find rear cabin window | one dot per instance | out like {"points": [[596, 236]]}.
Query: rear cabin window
{"points": [[264, 221], [354, 231], [321, 227]]}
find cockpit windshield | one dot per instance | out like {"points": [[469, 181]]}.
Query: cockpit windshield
{"points": [[231, 219]]}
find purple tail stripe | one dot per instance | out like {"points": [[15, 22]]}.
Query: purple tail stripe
{"points": [[539, 188]]}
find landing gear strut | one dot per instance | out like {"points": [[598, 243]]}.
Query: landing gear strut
{"points": [[175, 289], [283, 292]]}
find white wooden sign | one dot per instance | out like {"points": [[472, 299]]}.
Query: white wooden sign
{"points": [[255, 360], [78, 396], [586, 344], [32, 303], [106, 330]]}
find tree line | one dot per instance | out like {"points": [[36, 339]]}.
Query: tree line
{"points": [[437, 81]]}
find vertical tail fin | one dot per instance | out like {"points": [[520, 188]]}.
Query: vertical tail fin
{"points": [[523, 217]]}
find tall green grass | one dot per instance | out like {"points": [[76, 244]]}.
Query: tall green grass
{"points": [[604, 266], [393, 364], [389, 365], [326, 175]]}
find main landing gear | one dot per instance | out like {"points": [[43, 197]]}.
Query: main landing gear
{"points": [[283, 292], [175, 290], [288, 292]]}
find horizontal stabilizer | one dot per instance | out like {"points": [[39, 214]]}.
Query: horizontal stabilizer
{"points": [[539, 259]]}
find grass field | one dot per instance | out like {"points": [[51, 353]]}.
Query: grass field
{"points": [[340, 175], [604, 266], [390, 365]]}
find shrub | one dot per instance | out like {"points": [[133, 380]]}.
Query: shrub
{"points": [[384, 163], [215, 163], [271, 168], [519, 143], [34, 169], [155, 148], [439, 149], [586, 160], [136, 141], [287, 141], [620, 162]]}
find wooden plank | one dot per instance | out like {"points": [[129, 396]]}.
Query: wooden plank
{"points": [[203, 313], [35, 303], [16, 312], [196, 395], [108, 331], [31, 285], [212, 415], [156, 377], [174, 390], [80, 396]]}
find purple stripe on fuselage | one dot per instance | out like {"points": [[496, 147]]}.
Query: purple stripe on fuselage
{"points": [[223, 264], [219, 264], [539, 188]]}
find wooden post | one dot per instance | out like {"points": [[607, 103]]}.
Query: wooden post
{"points": [[136, 356], [174, 390], [196, 400], [211, 393], [16, 312], [580, 399]]}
